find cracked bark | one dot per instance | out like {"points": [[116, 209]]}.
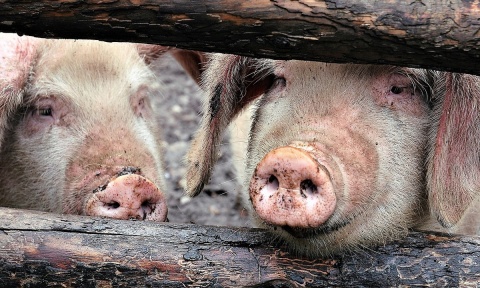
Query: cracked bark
{"points": [[431, 34], [39, 249]]}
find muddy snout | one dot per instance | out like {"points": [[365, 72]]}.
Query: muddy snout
{"points": [[291, 189], [130, 196]]}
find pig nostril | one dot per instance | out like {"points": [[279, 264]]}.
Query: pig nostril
{"points": [[271, 179], [307, 188], [113, 205], [147, 208], [273, 182], [146, 204]]}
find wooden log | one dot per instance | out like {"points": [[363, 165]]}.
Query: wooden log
{"points": [[431, 34], [39, 249]]}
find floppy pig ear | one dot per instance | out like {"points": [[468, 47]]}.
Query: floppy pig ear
{"points": [[151, 52], [192, 61], [453, 176], [17, 56], [230, 84]]}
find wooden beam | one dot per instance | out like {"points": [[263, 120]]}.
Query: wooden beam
{"points": [[432, 34], [42, 249]]}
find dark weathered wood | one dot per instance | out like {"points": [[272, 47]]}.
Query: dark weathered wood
{"points": [[42, 249], [432, 34]]}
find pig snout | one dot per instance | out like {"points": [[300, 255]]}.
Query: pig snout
{"points": [[291, 189], [128, 196]]}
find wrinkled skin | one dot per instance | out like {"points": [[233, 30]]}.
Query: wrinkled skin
{"points": [[79, 136], [336, 153]]}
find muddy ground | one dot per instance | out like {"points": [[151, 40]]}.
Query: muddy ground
{"points": [[179, 112]]}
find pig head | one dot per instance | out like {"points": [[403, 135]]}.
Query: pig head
{"points": [[77, 129], [336, 154]]}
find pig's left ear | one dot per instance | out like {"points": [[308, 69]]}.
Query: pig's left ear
{"points": [[453, 175], [230, 82], [193, 62], [150, 52], [17, 58]]}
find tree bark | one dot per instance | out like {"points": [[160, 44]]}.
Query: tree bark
{"points": [[42, 249], [431, 34]]}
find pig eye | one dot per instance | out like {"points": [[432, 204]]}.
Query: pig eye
{"points": [[140, 102], [277, 82], [45, 112], [396, 90], [42, 112]]}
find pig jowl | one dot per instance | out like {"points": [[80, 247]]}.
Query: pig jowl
{"points": [[81, 137]]}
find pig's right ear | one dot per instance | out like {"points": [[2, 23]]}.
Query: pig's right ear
{"points": [[453, 176], [230, 83], [17, 58]]}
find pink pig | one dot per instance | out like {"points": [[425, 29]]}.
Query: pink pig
{"points": [[77, 130], [336, 154]]}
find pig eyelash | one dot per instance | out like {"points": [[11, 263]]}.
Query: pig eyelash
{"points": [[276, 82], [41, 112], [279, 81], [413, 90], [44, 111], [397, 90], [419, 84]]}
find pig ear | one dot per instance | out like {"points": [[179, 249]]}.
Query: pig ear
{"points": [[193, 62], [453, 176], [150, 52], [17, 57], [229, 84]]}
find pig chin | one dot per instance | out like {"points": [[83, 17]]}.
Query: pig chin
{"points": [[320, 231]]}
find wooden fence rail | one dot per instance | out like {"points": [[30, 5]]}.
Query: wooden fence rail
{"points": [[432, 34], [49, 250]]}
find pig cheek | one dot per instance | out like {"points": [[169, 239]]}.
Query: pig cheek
{"points": [[36, 125], [351, 151], [360, 164], [74, 197]]}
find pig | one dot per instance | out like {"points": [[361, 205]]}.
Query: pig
{"points": [[342, 156], [78, 134]]}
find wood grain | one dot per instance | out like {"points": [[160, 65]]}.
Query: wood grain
{"points": [[42, 249], [431, 34]]}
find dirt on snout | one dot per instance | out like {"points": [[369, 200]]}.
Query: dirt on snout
{"points": [[179, 113]]}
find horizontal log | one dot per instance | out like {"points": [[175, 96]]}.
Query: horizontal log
{"points": [[42, 249], [442, 35]]}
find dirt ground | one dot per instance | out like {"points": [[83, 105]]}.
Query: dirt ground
{"points": [[179, 112]]}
